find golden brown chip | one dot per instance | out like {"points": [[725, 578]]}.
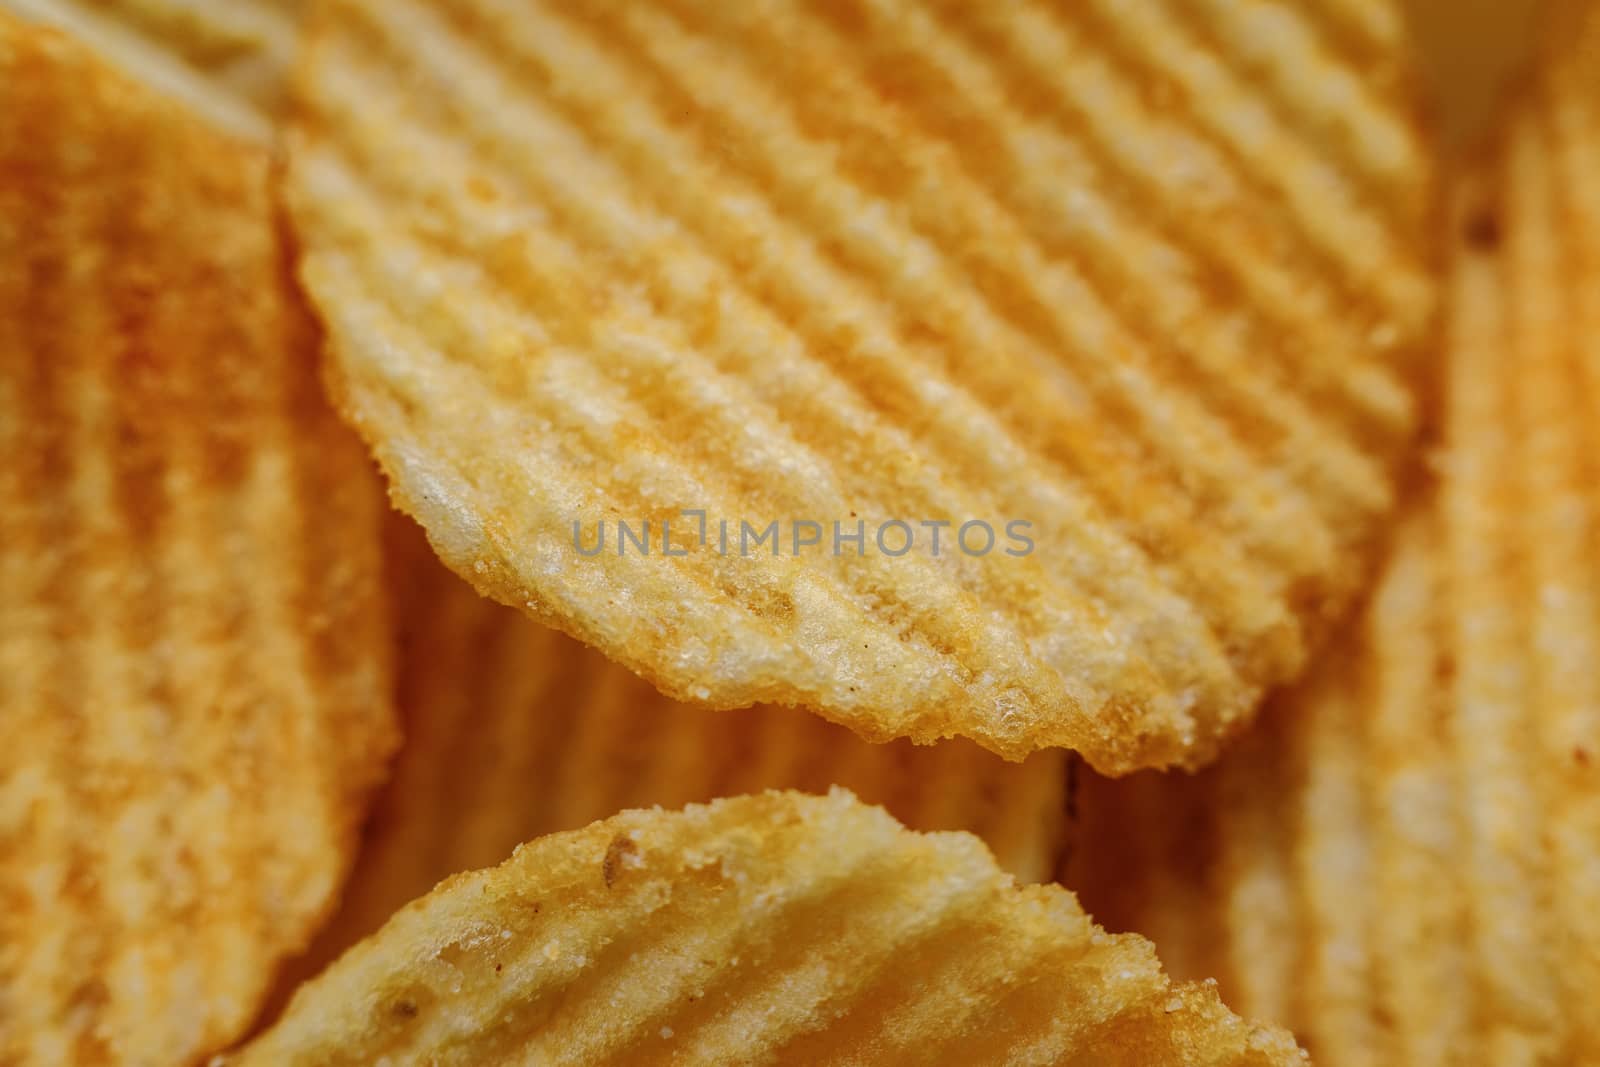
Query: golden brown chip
{"points": [[763, 929], [195, 693], [228, 60], [514, 731], [1145, 277], [1403, 865]]}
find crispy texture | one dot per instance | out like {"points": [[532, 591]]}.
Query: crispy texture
{"points": [[764, 929], [227, 60], [1147, 276], [1404, 865], [514, 731], [195, 689]]}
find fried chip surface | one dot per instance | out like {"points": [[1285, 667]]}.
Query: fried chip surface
{"points": [[513, 731], [1403, 864], [195, 693], [1148, 277], [227, 60], [777, 928]]}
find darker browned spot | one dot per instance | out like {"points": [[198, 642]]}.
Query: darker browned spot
{"points": [[89, 999], [89, 995], [1580, 754], [1482, 230], [404, 1008], [611, 866]]}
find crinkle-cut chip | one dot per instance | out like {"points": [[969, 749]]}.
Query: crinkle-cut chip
{"points": [[776, 928], [1403, 863], [513, 731], [1149, 277], [195, 686], [228, 60]]}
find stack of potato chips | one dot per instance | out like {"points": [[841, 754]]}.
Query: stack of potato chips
{"points": [[1055, 531]]}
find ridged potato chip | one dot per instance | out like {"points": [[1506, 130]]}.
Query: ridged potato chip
{"points": [[778, 928], [228, 60], [195, 684], [1403, 865], [514, 731], [1126, 296]]}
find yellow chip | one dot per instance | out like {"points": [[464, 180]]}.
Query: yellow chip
{"points": [[771, 928], [195, 693], [1403, 865], [514, 731], [227, 60], [1125, 295]]}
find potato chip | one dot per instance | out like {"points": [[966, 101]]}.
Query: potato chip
{"points": [[771, 928], [1028, 372], [1404, 865], [195, 690], [228, 60], [514, 731]]}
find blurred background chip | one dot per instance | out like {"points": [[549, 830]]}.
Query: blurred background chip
{"points": [[195, 694]]}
